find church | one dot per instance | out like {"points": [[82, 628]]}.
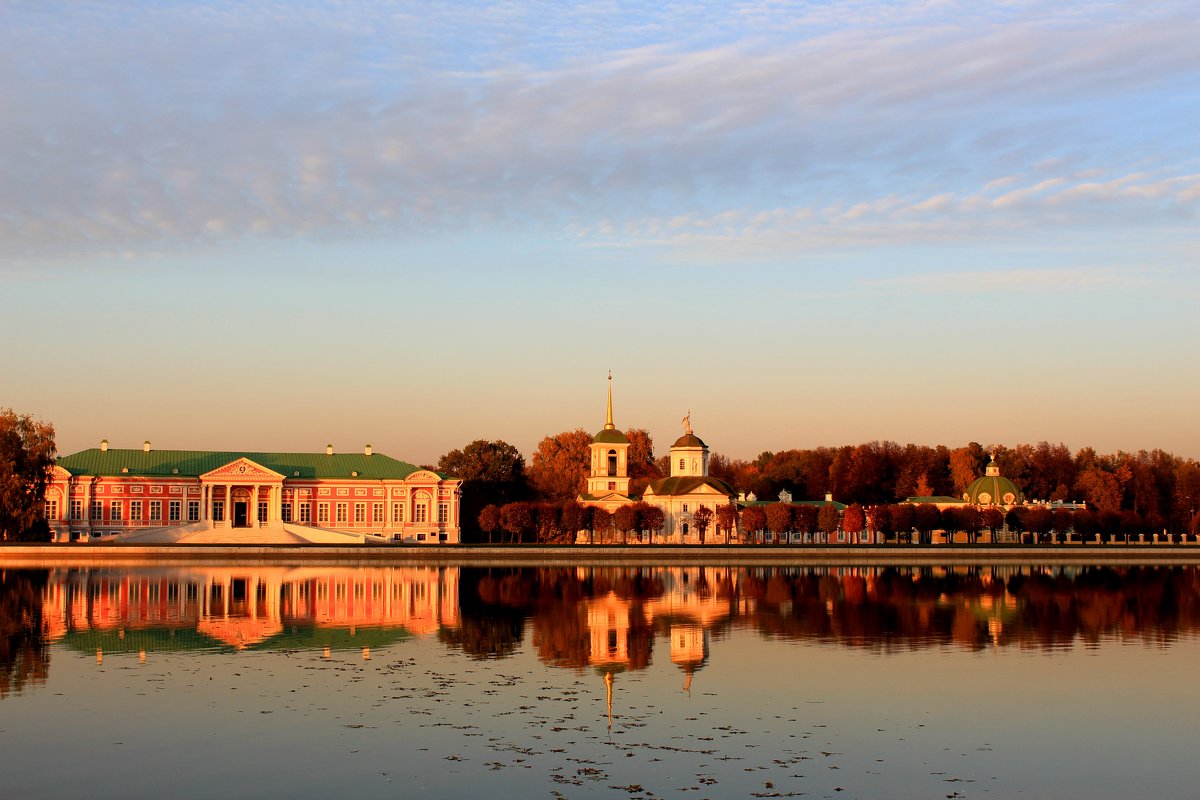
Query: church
{"points": [[688, 488]]}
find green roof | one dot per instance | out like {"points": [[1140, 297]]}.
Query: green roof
{"points": [[939, 499], [193, 463], [686, 485], [610, 436], [689, 440], [993, 490], [818, 503]]}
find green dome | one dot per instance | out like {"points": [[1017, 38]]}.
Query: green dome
{"points": [[689, 440], [610, 436], [993, 490]]}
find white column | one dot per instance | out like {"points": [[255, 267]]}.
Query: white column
{"points": [[228, 505], [252, 507]]}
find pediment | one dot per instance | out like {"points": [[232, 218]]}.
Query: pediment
{"points": [[243, 469], [422, 476], [58, 473]]}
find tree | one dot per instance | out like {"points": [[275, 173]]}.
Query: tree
{"points": [[926, 519], [546, 521], [779, 520], [601, 521], [727, 519], [493, 473], [903, 519], [992, 518], [754, 519], [560, 465], [1100, 488], [572, 520], [828, 519], [516, 519], [489, 520], [854, 520], [804, 518], [625, 519], [702, 518], [642, 467], [27, 453], [966, 464], [650, 518]]}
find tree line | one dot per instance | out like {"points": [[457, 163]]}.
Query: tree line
{"points": [[1150, 490]]}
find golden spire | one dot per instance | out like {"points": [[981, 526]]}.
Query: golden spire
{"points": [[608, 683], [608, 422]]}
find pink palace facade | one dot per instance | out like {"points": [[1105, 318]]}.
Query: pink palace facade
{"points": [[173, 495]]}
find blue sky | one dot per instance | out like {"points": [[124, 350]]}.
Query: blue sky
{"points": [[269, 226]]}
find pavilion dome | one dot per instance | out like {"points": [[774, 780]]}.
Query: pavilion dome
{"points": [[689, 440], [993, 489]]}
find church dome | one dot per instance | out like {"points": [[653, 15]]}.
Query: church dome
{"points": [[993, 489], [610, 436], [689, 440]]}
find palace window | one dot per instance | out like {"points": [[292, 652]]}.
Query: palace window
{"points": [[76, 509], [612, 485], [218, 510], [156, 510], [262, 510], [682, 465], [360, 513], [397, 512], [421, 512], [377, 514], [443, 513], [306, 513], [97, 510], [193, 510], [135, 510], [174, 510], [322, 513], [285, 511], [114, 511], [51, 509], [343, 513], [685, 506]]}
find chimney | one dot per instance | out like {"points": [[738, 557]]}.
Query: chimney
{"points": [[146, 446], [328, 449], [367, 450], [104, 445], [829, 497]]}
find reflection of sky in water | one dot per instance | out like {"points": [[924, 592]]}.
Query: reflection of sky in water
{"points": [[801, 709]]}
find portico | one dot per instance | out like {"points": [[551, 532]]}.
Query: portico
{"points": [[242, 494]]}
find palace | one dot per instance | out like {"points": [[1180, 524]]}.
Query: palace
{"points": [[199, 496]]}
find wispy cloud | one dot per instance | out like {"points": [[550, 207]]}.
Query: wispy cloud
{"points": [[205, 123]]}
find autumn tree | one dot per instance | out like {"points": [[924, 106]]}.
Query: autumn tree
{"points": [[516, 519], [572, 520], [779, 520], [625, 519], [546, 521], [854, 520], [926, 519], [828, 519], [804, 518], [966, 464], [642, 467], [27, 453], [650, 518], [492, 473], [727, 519], [560, 465], [903, 519], [754, 520], [992, 518], [489, 520], [702, 518], [601, 521]]}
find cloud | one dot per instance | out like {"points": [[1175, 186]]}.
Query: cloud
{"points": [[200, 124]]}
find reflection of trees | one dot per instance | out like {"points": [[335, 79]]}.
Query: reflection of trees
{"points": [[24, 658]]}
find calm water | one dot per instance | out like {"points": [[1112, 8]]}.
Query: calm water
{"points": [[680, 682]]}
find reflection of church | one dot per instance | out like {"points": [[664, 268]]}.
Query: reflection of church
{"points": [[688, 488], [248, 607]]}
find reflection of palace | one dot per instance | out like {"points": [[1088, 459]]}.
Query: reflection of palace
{"points": [[248, 607], [199, 496]]}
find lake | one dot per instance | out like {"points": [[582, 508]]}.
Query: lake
{"points": [[209, 680]]}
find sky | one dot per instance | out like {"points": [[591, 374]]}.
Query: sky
{"points": [[273, 226]]}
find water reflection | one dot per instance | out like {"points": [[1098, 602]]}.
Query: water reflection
{"points": [[24, 658], [606, 620]]}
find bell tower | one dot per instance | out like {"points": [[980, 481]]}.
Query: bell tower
{"points": [[609, 473]]}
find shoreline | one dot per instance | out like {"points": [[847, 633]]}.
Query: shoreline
{"points": [[57, 555]]}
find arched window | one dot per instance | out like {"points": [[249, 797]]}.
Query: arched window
{"points": [[612, 462]]}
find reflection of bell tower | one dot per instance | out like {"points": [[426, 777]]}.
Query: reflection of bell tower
{"points": [[689, 650], [609, 472]]}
